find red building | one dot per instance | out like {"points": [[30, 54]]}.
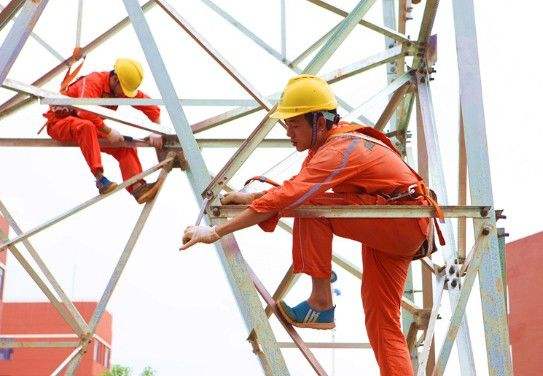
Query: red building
{"points": [[40, 322], [524, 258]]}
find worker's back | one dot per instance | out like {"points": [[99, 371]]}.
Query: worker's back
{"points": [[363, 166]]}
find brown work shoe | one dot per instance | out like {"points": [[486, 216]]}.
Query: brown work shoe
{"points": [[145, 192]]}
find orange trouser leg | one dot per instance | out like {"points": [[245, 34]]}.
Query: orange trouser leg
{"points": [[388, 247], [129, 162], [383, 283], [83, 133]]}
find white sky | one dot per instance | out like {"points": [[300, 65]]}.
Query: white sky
{"points": [[175, 312]]}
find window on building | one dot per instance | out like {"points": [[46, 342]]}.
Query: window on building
{"points": [[101, 353], [2, 283], [6, 354]]}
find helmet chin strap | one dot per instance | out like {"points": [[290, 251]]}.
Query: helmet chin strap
{"points": [[314, 130]]}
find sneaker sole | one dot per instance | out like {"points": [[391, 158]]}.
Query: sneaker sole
{"points": [[308, 325], [149, 195], [109, 189]]}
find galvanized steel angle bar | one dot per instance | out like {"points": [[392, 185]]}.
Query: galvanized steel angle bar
{"points": [[490, 276], [84, 205], [37, 38], [245, 31], [46, 272], [310, 357], [267, 124], [9, 11], [66, 361], [214, 54], [119, 268], [331, 77], [429, 332], [391, 33], [19, 33], [97, 110], [487, 232], [61, 309], [385, 92], [230, 256], [438, 184]]}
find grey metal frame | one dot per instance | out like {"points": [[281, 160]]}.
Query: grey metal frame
{"points": [[402, 90]]}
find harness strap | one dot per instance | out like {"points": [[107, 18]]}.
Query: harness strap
{"points": [[70, 75], [421, 187]]}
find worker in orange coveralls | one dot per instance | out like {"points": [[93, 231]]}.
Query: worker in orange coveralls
{"points": [[66, 124], [362, 167]]}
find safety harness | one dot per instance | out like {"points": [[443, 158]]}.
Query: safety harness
{"points": [[413, 191], [65, 111]]}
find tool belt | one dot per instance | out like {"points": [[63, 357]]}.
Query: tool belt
{"points": [[414, 192], [63, 111]]}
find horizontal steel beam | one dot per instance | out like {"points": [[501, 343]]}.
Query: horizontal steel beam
{"points": [[16, 345], [202, 143], [97, 110], [364, 211], [212, 102], [327, 345]]}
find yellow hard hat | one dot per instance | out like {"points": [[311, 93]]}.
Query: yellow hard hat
{"points": [[303, 94], [130, 75]]}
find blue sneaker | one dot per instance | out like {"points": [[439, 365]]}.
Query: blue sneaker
{"points": [[105, 186], [303, 316]]}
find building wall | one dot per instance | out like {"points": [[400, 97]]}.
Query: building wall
{"points": [[524, 258], [42, 319], [3, 257]]}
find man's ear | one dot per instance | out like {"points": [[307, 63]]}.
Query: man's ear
{"points": [[321, 123]]}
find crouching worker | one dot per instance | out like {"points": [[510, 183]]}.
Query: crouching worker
{"points": [[361, 167], [66, 124]]}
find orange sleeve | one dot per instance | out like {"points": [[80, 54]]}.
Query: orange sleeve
{"points": [[152, 112], [88, 87], [329, 167]]}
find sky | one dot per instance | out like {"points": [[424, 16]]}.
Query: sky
{"points": [[175, 311]]}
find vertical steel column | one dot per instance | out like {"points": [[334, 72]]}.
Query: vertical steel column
{"points": [[471, 99], [389, 18], [79, 22], [427, 275], [18, 34], [437, 182], [283, 30], [233, 263]]}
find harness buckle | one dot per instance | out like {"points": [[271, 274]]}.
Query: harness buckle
{"points": [[411, 191]]}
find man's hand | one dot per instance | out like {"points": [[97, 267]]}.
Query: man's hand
{"points": [[199, 234], [114, 136], [237, 198], [155, 140]]}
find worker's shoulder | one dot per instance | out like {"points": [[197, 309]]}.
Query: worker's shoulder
{"points": [[99, 76]]}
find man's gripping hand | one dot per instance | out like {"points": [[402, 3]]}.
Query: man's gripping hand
{"points": [[237, 198], [199, 234]]}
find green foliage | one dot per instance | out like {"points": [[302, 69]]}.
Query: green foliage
{"points": [[148, 371], [117, 370]]}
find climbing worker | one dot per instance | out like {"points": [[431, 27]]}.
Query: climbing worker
{"points": [[67, 124], [361, 167]]}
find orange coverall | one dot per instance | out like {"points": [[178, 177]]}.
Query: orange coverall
{"points": [[358, 172], [84, 128]]}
